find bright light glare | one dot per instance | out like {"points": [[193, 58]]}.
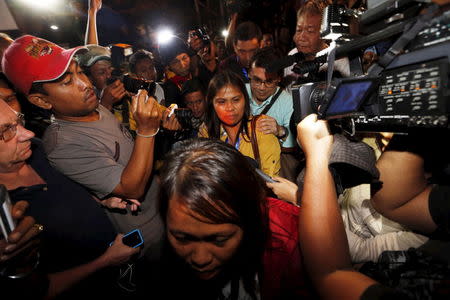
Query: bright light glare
{"points": [[54, 27], [225, 33], [164, 36], [42, 4]]}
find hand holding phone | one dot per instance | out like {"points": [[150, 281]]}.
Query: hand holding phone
{"points": [[132, 239], [264, 176], [172, 107], [6, 221]]}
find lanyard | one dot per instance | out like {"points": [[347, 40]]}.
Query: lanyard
{"points": [[244, 70], [245, 73]]}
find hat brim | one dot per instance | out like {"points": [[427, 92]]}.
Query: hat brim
{"points": [[97, 59], [62, 62]]}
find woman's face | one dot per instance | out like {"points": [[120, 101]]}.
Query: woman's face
{"points": [[204, 246], [229, 104]]}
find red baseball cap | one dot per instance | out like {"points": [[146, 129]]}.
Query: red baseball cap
{"points": [[31, 59]]}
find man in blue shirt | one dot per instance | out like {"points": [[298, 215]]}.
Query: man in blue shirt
{"points": [[268, 99]]}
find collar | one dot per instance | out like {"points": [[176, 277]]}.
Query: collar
{"points": [[178, 80], [265, 102]]}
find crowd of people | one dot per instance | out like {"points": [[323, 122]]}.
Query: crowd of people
{"points": [[198, 151]]}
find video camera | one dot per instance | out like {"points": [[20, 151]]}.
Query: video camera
{"points": [[409, 86]]}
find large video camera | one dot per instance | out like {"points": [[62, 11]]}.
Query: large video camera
{"points": [[409, 86]]}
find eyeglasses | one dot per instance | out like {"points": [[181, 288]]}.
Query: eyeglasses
{"points": [[267, 83], [10, 130]]}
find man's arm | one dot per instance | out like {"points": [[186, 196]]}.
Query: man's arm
{"points": [[321, 231], [405, 192], [231, 31], [117, 254], [139, 167], [22, 236], [91, 27]]}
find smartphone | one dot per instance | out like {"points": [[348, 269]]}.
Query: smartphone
{"points": [[132, 239], [264, 176], [172, 107], [6, 221]]}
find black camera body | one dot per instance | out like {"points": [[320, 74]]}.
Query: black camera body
{"points": [[202, 34], [133, 84], [184, 117], [412, 90]]}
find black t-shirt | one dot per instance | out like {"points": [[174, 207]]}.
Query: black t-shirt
{"points": [[439, 206], [172, 94], [76, 229], [231, 63]]}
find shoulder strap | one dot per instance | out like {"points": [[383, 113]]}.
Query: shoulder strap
{"points": [[274, 98], [254, 140]]}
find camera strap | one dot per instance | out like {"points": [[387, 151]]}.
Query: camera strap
{"points": [[272, 101], [403, 40]]}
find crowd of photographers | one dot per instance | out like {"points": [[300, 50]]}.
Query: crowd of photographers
{"points": [[87, 165]]}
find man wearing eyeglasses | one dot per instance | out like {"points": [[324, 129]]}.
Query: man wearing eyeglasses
{"points": [[270, 100], [76, 230]]}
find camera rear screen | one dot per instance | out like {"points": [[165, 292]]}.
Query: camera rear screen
{"points": [[348, 97]]}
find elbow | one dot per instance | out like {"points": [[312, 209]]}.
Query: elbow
{"points": [[134, 194], [384, 208], [129, 192], [378, 206]]}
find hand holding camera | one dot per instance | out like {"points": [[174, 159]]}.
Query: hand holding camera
{"points": [[17, 230], [169, 118], [21, 237], [112, 94], [199, 39], [147, 113], [314, 137]]}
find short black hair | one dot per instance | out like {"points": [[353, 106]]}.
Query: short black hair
{"points": [[137, 56], [38, 88], [264, 57], [6, 81], [247, 31], [191, 86]]}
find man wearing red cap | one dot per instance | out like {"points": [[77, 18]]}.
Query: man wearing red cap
{"points": [[84, 140]]}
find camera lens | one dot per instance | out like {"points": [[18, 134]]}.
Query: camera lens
{"points": [[184, 117]]}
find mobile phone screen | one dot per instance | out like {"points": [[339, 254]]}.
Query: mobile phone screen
{"points": [[133, 239]]}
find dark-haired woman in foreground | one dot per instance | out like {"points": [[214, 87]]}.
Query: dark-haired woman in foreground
{"points": [[228, 240]]}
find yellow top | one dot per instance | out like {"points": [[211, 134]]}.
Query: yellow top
{"points": [[268, 144]]}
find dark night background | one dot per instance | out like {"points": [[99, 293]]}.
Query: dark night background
{"points": [[117, 19]]}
